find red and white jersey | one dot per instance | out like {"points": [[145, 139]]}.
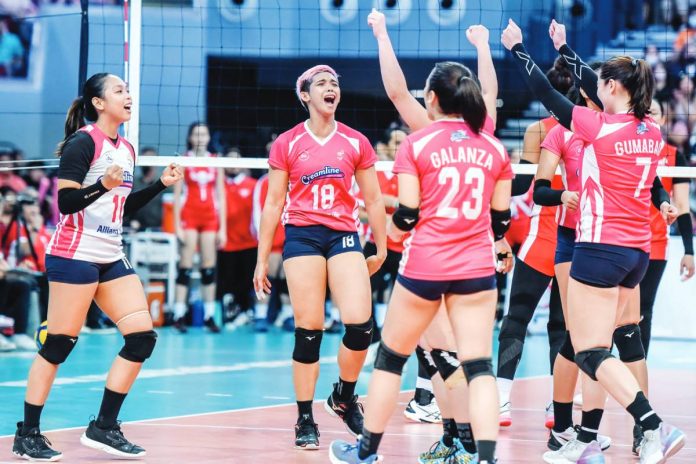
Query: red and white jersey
{"points": [[539, 247], [320, 175], [239, 194], [617, 173], [658, 227], [94, 234], [260, 192], [199, 187], [457, 170], [569, 148]]}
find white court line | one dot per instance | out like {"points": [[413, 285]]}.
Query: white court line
{"points": [[160, 392], [174, 372], [222, 395], [276, 397]]}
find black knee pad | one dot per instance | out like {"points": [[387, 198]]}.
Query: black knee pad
{"points": [[446, 362], [426, 361], [567, 350], [628, 341], [138, 346], [307, 345], [57, 348], [358, 336], [207, 275], [389, 361], [183, 276], [589, 360], [477, 367]]}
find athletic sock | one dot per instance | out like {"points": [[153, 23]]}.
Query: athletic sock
{"points": [[423, 397], [449, 431], [466, 436], [344, 390], [643, 413], [504, 389], [32, 417], [562, 416], [304, 408], [590, 425], [110, 407], [209, 309], [180, 309], [486, 451], [369, 443]]}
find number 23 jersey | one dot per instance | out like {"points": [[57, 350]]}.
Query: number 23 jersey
{"points": [[457, 171], [320, 174], [94, 233]]}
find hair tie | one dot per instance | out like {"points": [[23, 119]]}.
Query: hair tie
{"points": [[634, 62]]}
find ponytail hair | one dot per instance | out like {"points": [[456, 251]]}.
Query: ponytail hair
{"points": [[458, 92], [637, 78], [560, 76], [82, 107]]}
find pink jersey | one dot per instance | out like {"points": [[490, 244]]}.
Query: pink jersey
{"points": [[320, 175], [457, 170], [569, 148], [617, 172], [94, 233]]}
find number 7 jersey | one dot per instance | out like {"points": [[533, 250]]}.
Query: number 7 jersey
{"points": [[457, 171], [94, 233]]}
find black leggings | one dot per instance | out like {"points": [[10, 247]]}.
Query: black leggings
{"points": [[235, 272], [528, 286], [15, 293], [648, 292]]}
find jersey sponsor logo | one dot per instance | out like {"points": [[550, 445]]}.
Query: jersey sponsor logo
{"points": [[340, 155], [459, 135], [327, 172], [304, 156], [108, 230], [641, 128]]}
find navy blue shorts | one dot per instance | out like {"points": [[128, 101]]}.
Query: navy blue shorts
{"points": [[608, 266], [434, 289], [565, 244], [75, 271], [318, 240]]}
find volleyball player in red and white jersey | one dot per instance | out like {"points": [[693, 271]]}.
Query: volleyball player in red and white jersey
{"points": [[85, 262], [437, 350], [454, 185], [534, 269], [200, 220], [237, 258], [313, 165], [613, 241]]}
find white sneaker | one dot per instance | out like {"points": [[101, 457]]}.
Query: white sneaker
{"points": [[576, 452], [660, 444], [505, 416], [559, 439], [430, 413], [549, 418], [6, 345], [24, 342]]}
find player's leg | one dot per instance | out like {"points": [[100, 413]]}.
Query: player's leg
{"points": [[349, 282], [473, 317], [306, 277], [527, 288], [72, 285], [121, 297], [183, 277], [208, 251], [648, 292], [407, 318]]}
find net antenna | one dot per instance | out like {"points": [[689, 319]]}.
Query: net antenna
{"points": [[132, 41]]}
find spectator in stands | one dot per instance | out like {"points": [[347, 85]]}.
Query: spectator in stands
{"points": [[10, 178], [17, 8], [11, 50], [14, 302], [662, 90], [686, 34], [150, 215], [683, 104]]}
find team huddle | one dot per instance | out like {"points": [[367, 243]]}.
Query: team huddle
{"points": [[445, 217]]}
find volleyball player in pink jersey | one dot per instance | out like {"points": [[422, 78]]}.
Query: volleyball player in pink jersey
{"points": [[454, 187], [312, 165], [200, 216], [457, 441], [85, 262], [613, 242]]}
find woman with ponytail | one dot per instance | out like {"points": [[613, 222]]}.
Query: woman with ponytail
{"points": [[612, 247], [85, 262]]}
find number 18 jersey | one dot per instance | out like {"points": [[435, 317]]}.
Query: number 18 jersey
{"points": [[457, 171]]}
